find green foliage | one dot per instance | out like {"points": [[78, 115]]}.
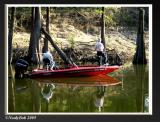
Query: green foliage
{"points": [[110, 16], [109, 21], [127, 16], [122, 16], [114, 16], [98, 11], [71, 40]]}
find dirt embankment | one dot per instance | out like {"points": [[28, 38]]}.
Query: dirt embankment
{"points": [[81, 46]]}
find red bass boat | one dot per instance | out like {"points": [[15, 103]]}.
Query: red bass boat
{"points": [[73, 72]]}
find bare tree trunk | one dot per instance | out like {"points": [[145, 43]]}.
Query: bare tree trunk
{"points": [[45, 48], [140, 56], [60, 52], [103, 28], [37, 31], [34, 47], [31, 44], [10, 35], [103, 35]]}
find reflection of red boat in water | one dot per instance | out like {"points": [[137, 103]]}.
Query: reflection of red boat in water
{"points": [[101, 80], [73, 72]]}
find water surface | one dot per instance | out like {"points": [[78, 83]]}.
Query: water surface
{"points": [[125, 90]]}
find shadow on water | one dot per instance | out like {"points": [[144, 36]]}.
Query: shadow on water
{"points": [[123, 91]]}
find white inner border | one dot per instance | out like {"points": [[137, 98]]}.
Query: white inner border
{"points": [[79, 5]]}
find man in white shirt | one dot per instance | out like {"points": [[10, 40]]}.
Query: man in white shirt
{"points": [[100, 48], [48, 60]]}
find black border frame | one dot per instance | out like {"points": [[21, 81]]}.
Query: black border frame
{"points": [[155, 117]]}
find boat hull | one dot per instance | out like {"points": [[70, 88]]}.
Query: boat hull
{"points": [[73, 72]]}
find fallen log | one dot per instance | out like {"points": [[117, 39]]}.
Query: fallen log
{"points": [[60, 52]]}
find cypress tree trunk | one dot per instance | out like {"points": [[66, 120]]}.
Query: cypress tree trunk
{"points": [[31, 44], [37, 32], [140, 56], [103, 34], [103, 28], [34, 47], [45, 48], [10, 35]]}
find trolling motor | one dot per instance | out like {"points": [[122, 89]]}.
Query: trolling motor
{"points": [[21, 67]]}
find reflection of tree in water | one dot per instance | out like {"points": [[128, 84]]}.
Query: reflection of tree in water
{"points": [[141, 92], [11, 92], [35, 96], [100, 97], [17, 93]]}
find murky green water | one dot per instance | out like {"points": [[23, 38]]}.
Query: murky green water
{"points": [[125, 91]]}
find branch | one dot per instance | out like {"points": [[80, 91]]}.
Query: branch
{"points": [[60, 52]]}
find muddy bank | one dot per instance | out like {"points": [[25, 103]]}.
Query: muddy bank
{"points": [[80, 56], [80, 47]]}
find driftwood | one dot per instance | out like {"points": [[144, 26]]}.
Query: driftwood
{"points": [[60, 52]]}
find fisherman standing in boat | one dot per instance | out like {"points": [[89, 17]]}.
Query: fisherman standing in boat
{"points": [[48, 60], [100, 53]]}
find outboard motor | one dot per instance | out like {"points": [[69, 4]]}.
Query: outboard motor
{"points": [[21, 67]]}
